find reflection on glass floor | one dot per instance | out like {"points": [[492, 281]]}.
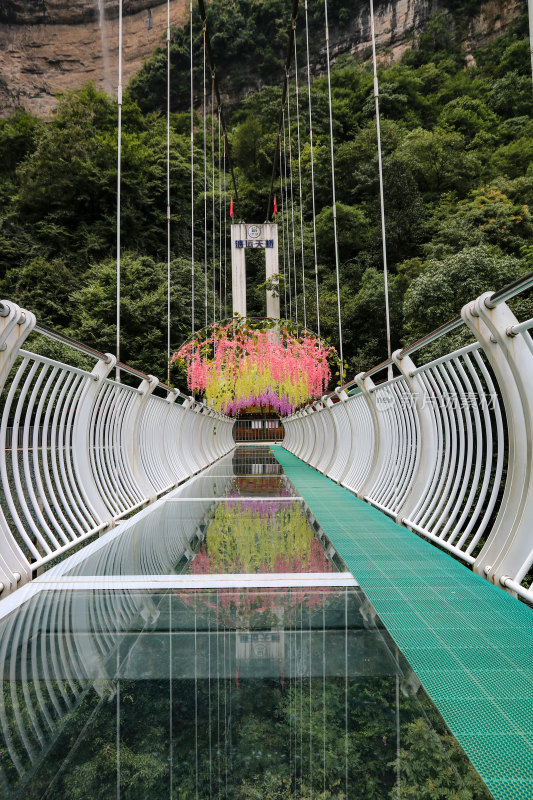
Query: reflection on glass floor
{"points": [[284, 694], [231, 519], [275, 694]]}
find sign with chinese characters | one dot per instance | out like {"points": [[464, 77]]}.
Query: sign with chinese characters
{"points": [[245, 236], [261, 243]]}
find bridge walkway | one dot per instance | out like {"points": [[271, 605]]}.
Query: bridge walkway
{"points": [[469, 642]]}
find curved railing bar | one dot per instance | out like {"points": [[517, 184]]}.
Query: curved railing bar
{"points": [[91, 450], [445, 447], [502, 295]]}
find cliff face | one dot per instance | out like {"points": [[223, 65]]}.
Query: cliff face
{"points": [[397, 22], [50, 45]]}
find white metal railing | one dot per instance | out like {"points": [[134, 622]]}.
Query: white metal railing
{"points": [[445, 448], [79, 450]]}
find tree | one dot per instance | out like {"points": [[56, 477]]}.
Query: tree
{"points": [[44, 288], [468, 116], [438, 161], [433, 297], [486, 216], [352, 229], [433, 767], [143, 309], [510, 95]]}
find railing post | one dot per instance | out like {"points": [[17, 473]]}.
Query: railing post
{"points": [[426, 444], [16, 325], [332, 431], [507, 551], [81, 438], [343, 446], [366, 385], [132, 438]]}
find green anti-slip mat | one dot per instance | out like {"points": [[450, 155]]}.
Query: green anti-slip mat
{"points": [[469, 642]]}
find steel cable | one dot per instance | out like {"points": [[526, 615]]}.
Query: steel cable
{"points": [[312, 169], [299, 172], [204, 25], [335, 236], [287, 216], [192, 170], [283, 226], [168, 191], [289, 136]]}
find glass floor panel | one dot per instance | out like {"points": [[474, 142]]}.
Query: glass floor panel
{"points": [[294, 693], [224, 521]]}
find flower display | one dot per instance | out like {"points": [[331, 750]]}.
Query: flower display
{"points": [[267, 364]]}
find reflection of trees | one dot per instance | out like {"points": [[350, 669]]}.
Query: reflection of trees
{"points": [[257, 740], [283, 738]]}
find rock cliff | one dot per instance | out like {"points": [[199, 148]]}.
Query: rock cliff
{"points": [[50, 45]]}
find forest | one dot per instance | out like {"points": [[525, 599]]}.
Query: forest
{"points": [[458, 182]]}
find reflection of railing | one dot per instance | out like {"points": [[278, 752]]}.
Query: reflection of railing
{"points": [[88, 449], [258, 430], [445, 448], [63, 654]]}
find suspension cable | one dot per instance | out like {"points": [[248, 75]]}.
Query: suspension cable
{"points": [[335, 236], [203, 17], [283, 227], [287, 217], [204, 25], [213, 196], [119, 177], [168, 191], [381, 193], [312, 170], [288, 60], [192, 172], [292, 207], [299, 174], [225, 234], [219, 220]]}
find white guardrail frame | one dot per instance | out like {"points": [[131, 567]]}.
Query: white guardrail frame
{"points": [[428, 447], [93, 450]]}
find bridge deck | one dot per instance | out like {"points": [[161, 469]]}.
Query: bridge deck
{"points": [[469, 642]]}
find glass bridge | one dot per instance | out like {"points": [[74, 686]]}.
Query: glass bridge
{"points": [[215, 646]]}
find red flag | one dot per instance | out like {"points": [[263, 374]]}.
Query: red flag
{"points": [[275, 206], [231, 208]]}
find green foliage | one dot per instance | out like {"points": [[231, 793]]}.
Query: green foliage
{"points": [[428, 772], [433, 297], [438, 161], [457, 146], [143, 298], [486, 216]]}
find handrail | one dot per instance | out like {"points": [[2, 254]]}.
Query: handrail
{"points": [[445, 446], [88, 449], [511, 290], [50, 333], [56, 336], [502, 295]]}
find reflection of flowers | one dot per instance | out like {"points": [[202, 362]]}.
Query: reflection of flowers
{"points": [[265, 364], [245, 608], [259, 536], [264, 506]]}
